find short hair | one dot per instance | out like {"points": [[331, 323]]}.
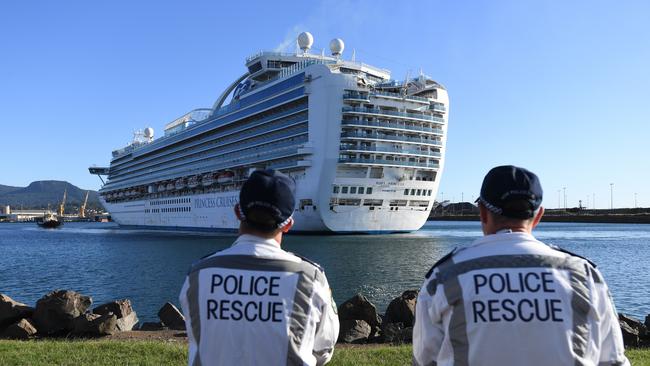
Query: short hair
{"points": [[513, 205]]}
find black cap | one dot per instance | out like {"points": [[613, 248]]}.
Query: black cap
{"points": [[271, 191], [505, 184]]}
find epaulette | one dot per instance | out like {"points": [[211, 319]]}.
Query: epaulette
{"points": [[440, 261], [310, 262], [573, 254]]}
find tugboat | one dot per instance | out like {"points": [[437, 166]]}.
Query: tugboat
{"points": [[50, 221]]}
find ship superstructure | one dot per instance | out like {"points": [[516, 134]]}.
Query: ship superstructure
{"points": [[366, 151]]}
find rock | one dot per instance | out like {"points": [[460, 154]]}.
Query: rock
{"points": [[359, 308], [126, 317], [354, 331], [56, 311], [396, 333], [402, 309], [171, 317], [647, 321], [151, 326], [630, 335], [12, 311], [634, 323], [23, 329], [95, 324]]}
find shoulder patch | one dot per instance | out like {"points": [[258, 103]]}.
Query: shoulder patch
{"points": [[310, 262], [440, 261], [573, 254]]}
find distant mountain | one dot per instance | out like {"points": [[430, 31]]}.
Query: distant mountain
{"points": [[42, 193]]}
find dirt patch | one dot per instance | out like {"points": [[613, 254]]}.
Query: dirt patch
{"points": [[154, 335]]}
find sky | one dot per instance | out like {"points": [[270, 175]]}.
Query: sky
{"points": [[559, 87]]}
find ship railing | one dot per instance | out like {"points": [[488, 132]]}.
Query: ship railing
{"points": [[390, 150], [391, 137], [358, 96], [269, 53], [400, 96], [287, 71], [394, 113], [390, 162], [438, 107], [393, 125]]}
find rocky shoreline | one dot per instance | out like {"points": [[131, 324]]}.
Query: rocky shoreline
{"points": [[68, 314]]}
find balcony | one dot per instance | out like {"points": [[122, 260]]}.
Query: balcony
{"points": [[393, 126], [438, 107], [381, 136], [389, 162], [387, 149], [399, 96], [357, 97], [377, 111]]}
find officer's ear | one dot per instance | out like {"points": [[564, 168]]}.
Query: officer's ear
{"points": [[238, 213], [538, 217], [288, 226]]}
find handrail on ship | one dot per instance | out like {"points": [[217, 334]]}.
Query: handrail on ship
{"points": [[389, 162], [393, 113], [381, 136], [392, 125], [380, 149]]}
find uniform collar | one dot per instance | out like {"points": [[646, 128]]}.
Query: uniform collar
{"points": [[248, 239], [504, 235]]}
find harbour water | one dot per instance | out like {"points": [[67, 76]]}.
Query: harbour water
{"points": [[148, 267]]}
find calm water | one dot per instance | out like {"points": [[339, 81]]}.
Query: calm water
{"points": [[148, 267]]}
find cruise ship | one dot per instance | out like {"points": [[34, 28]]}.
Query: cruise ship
{"points": [[366, 151]]}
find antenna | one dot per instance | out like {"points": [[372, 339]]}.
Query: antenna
{"points": [[354, 54]]}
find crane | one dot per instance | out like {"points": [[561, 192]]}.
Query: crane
{"points": [[82, 209], [62, 205]]}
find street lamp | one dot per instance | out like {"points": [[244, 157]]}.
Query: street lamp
{"points": [[611, 196], [558, 199], [564, 189], [634, 199]]}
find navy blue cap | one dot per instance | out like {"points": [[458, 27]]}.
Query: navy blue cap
{"points": [[270, 191], [505, 184]]}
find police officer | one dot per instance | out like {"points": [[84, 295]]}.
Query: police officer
{"points": [[254, 303], [509, 299]]}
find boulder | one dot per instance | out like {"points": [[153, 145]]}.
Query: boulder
{"points": [[95, 324], [359, 308], [56, 311], [171, 317], [12, 311], [396, 333], [151, 326], [122, 309], [23, 329], [354, 331], [402, 309], [647, 321], [634, 323], [630, 335]]}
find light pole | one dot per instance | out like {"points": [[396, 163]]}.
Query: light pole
{"points": [[611, 196], [634, 199], [558, 199], [564, 189], [593, 200]]}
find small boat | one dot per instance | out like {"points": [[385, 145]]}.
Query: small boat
{"points": [[50, 221], [225, 177], [193, 182], [207, 180], [180, 184]]}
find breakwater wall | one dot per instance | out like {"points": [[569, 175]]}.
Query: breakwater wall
{"points": [[600, 219]]}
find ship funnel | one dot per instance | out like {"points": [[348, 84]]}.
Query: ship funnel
{"points": [[337, 46], [305, 41]]}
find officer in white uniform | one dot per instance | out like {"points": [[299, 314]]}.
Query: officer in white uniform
{"points": [[254, 303], [509, 299]]}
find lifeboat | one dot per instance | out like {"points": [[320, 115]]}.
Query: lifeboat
{"points": [[180, 184], [225, 177], [207, 180], [193, 182], [161, 188], [170, 186]]}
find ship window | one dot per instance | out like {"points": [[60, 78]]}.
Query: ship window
{"points": [[361, 189], [336, 189], [406, 192], [419, 192], [412, 192], [353, 190], [369, 190], [344, 190], [429, 193]]}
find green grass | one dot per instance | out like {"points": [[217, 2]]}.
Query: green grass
{"points": [[66, 352]]}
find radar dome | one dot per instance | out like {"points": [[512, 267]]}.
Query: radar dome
{"points": [[305, 40], [337, 46], [148, 132]]}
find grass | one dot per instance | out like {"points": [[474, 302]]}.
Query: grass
{"points": [[65, 352]]}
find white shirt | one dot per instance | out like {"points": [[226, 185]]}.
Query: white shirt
{"points": [[256, 304], [509, 299]]}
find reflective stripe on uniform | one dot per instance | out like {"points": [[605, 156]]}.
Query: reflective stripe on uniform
{"points": [[308, 274], [448, 276], [195, 316]]}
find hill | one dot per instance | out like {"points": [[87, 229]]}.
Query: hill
{"points": [[42, 193]]}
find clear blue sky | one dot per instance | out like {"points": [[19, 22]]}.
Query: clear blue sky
{"points": [[559, 87]]}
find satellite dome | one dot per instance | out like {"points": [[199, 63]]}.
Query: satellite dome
{"points": [[148, 132], [337, 46], [305, 40]]}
